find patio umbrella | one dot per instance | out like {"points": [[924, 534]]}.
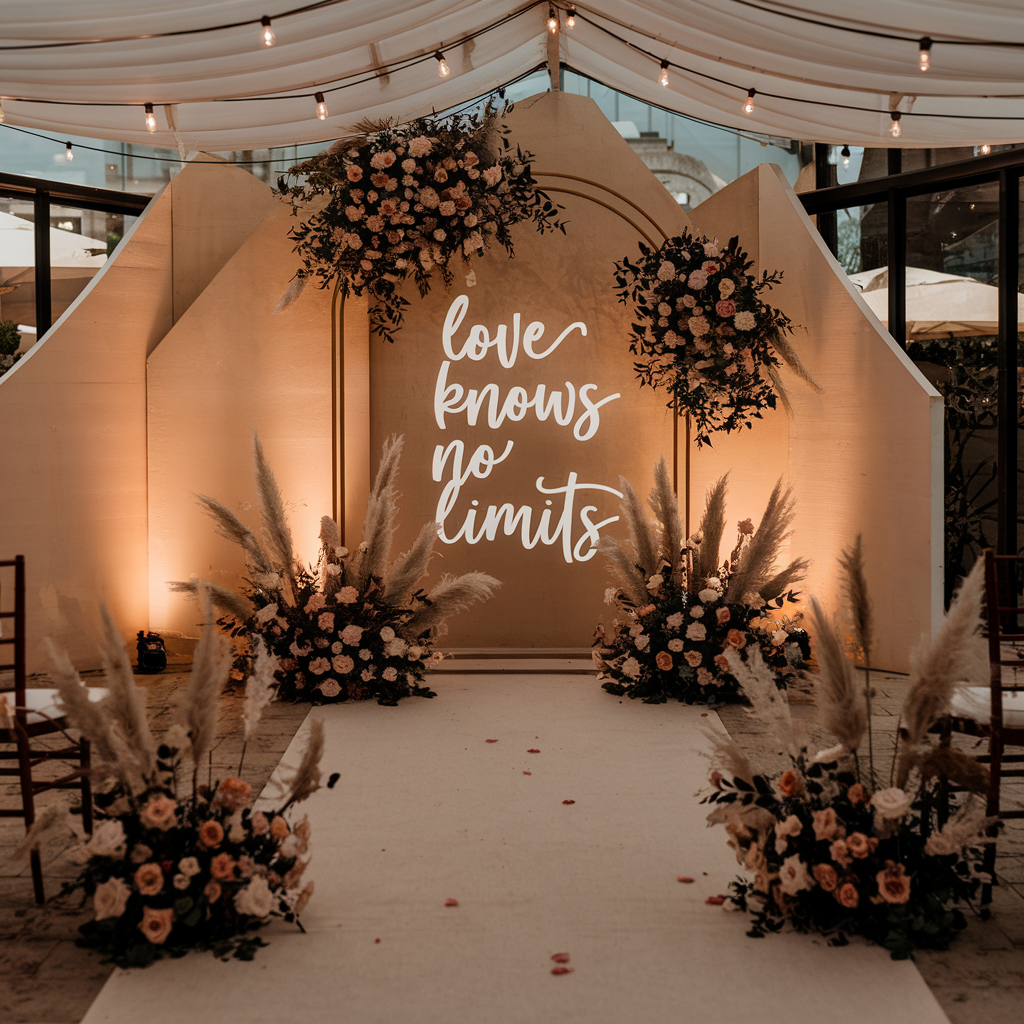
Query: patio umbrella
{"points": [[938, 305]]}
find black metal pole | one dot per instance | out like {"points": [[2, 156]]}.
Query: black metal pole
{"points": [[41, 216], [1007, 401], [894, 160], [897, 207], [825, 177]]}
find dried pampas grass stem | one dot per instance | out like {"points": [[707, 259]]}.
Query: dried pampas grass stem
{"points": [[665, 506], [306, 780], [645, 549], [451, 595], [712, 527]]}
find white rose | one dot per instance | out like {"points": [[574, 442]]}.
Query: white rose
{"points": [[387, 633], [709, 595], [697, 611], [891, 803], [107, 840], [779, 637], [641, 642], [675, 645], [655, 581], [256, 899], [631, 668], [188, 866], [794, 876], [110, 898], [181, 881]]}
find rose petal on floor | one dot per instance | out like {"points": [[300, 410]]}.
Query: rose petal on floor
{"points": [[562, 970], [568, 801], [490, 741], [527, 773], [451, 903], [561, 958], [684, 878], [715, 901], [533, 750]]}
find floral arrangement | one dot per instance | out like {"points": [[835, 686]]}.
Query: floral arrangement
{"points": [[174, 865], [835, 849], [404, 201], [353, 627], [681, 610], [703, 332]]}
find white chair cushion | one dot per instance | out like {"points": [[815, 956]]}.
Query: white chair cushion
{"points": [[42, 704], [975, 702]]}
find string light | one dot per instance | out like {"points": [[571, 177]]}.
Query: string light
{"points": [[68, 154], [663, 77], [983, 150], [443, 70], [321, 106], [845, 154], [748, 107], [552, 21], [150, 118], [267, 36], [924, 57], [894, 129], [570, 17]]}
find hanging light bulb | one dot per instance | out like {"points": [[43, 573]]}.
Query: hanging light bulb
{"points": [[748, 107], [267, 35], [984, 149], [845, 154], [443, 70], [894, 129], [663, 77], [552, 20], [150, 118], [321, 106], [570, 17], [924, 57], [68, 153]]}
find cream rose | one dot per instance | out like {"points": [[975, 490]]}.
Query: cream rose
{"points": [[160, 812], [110, 898], [891, 804], [794, 877], [256, 899]]}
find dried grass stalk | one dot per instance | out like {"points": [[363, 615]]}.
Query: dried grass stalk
{"points": [[306, 780], [122, 701], [645, 549], [712, 528], [275, 522], [788, 355], [410, 567], [768, 702], [230, 527], [758, 560], [959, 768], [226, 600], [855, 589], [727, 756], [782, 581], [665, 506], [52, 822], [259, 688], [451, 595], [381, 509], [935, 670], [295, 288], [330, 536], [211, 663], [780, 390], [632, 581], [840, 705]]}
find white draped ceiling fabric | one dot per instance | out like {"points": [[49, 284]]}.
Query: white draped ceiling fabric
{"points": [[823, 70]]}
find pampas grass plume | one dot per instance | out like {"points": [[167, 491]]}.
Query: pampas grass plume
{"points": [[840, 704], [451, 595], [855, 588], [53, 820], [665, 506], [410, 567], [306, 780], [275, 522], [231, 528], [259, 688], [644, 548], [712, 527], [226, 600]]}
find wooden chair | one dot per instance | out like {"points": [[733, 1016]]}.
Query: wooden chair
{"points": [[34, 713], [996, 712]]}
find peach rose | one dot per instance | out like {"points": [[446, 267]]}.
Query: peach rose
{"points": [[721, 663], [735, 639], [156, 924], [664, 660], [856, 794], [893, 883], [723, 615], [110, 898], [259, 823], [860, 846], [791, 784], [279, 827], [233, 794], [693, 658], [826, 824], [149, 879], [825, 875], [211, 834], [160, 812], [847, 895], [222, 867], [212, 891], [840, 853]]}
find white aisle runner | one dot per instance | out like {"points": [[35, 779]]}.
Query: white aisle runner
{"points": [[427, 810]]}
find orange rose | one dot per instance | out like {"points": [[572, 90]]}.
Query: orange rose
{"points": [[735, 639], [279, 827], [848, 896], [233, 794], [856, 794], [222, 867], [149, 879], [211, 834], [156, 924], [212, 891], [791, 784], [860, 846], [893, 883], [723, 615], [825, 875], [721, 663], [259, 823], [159, 812], [840, 853], [664, 660]]}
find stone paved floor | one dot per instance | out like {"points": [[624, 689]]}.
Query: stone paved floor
{"points": [[46, 979]]}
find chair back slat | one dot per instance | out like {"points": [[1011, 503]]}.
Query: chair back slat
{"points": [[17, 615]]}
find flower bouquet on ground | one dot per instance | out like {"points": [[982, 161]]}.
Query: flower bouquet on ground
{"points": [[175, 862], [680, 609], [401, 201], [352, 627], [835, 849], [703, 332]]}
